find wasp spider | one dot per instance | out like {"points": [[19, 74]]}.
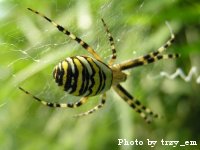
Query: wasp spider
{"points": [[89, 76]]}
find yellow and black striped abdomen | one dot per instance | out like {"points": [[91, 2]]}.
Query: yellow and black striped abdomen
{"points": [[83, 76]]}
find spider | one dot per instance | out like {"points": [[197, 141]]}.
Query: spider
{"points": [[87, 76]]}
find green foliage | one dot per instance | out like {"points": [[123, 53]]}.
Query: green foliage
{"points": [[30, 47]]}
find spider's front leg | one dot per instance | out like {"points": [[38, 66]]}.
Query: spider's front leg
{"points": [[144, 112], [151, 57]]}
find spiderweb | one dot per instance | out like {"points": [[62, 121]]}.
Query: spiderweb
{"points": [[180, 73], [39, 46], [32, 47]]}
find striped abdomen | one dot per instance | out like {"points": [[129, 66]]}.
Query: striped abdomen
{"points": [[83, 76]]}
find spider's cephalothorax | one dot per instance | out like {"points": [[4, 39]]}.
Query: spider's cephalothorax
{"points": [[89, 76]]}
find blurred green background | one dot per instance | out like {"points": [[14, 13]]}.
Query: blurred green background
{"points": [[30, 47]]}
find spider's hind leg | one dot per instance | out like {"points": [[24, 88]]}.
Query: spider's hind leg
{"points": [[100, 105], [59, 105], [143, 111], [71, 35]]}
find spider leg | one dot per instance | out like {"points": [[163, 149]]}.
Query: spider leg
{"points": [[144, 112], [60, 105], [112, 44], [71, 35], [151, 57], [100, 105], [145, 60], [165, 46], [162, 48]]}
